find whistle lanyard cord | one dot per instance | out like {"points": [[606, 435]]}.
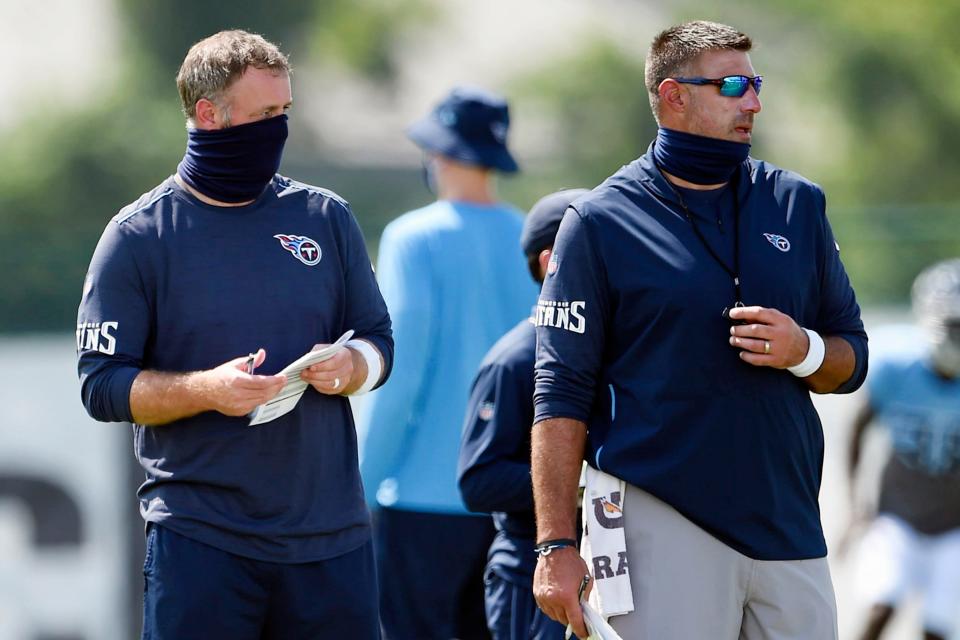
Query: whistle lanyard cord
{"points": [[733, 272]]}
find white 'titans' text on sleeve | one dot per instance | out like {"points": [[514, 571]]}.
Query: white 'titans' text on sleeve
{"points": [[561, 315]]}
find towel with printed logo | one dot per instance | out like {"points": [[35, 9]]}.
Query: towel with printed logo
{"points": [[604, 545]]}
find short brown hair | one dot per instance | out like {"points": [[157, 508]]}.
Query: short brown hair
{"points": [[673, 49], [216, 62]]}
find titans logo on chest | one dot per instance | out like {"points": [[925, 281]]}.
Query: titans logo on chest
{"points": [[304, 249]]}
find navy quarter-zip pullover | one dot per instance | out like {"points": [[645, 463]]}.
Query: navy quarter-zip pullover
{"points": [[631, 341]]}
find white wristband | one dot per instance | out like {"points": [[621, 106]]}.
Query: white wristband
{"points": [[814, 359], [372, 357]]}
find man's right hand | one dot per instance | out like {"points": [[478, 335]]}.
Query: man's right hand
{"points": [[555, 585], [234, 392]]}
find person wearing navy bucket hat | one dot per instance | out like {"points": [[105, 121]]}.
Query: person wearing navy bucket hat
{"points": [[454, 283], [469, 126]]}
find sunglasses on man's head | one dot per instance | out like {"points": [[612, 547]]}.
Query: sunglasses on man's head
{"points": [[730, 86]]}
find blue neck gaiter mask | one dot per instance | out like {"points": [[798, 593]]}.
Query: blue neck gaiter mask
{"points": [[698, 159], [234, 164]]}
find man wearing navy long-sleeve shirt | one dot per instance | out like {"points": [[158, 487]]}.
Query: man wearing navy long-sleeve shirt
{"points": [[494, 465], [693, 301], [253, 531]]}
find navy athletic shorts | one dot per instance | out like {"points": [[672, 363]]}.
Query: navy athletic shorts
{"points": [[430, 567], [512, 612], [193, 590]]}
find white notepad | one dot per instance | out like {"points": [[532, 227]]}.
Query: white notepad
{"points": [[289, 396]]}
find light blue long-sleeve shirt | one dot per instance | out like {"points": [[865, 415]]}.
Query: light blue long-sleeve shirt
{"points": [[454, 280]]}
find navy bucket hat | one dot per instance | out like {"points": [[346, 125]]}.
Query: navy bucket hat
{"points": [[541, 224], [469, 125]]}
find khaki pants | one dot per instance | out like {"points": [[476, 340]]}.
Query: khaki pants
{"points": [[687, 585]]}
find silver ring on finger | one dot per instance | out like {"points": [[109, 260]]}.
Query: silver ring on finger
{"points": [[336, 383], [766, 346]]}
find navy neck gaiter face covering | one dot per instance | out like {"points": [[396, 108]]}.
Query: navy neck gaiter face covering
{"points": [[698, 159], [234, 164]]}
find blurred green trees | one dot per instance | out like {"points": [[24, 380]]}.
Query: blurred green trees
{"points": [[64, 174], [885, 78], [882, 78], [594, 112], [889, 73]]}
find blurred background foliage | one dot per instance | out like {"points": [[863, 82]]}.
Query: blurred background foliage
{"points": [[595, 114], [866, 97]]}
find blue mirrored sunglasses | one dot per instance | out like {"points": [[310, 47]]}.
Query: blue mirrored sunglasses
{"points": [[731, 86]]}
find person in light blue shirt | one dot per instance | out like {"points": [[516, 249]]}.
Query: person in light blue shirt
{"points": [[454, 283]]}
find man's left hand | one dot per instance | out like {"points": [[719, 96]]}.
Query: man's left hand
{"points": [[335, 375], [769, 338]]}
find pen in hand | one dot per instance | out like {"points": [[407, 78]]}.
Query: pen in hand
{"points": [[250, 360], [583, 587]]}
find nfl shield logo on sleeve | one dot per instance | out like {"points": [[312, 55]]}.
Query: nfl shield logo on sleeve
{"points": [[553, 265], [486, 411]]}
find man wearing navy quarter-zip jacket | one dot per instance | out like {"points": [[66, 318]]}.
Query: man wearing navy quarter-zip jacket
{"points": [[693, 302]]}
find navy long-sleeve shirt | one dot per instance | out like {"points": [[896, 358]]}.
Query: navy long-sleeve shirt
{"points": [[631, 341], [494, 465], [178, 285]]}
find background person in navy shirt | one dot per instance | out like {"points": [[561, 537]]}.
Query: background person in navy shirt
{"points": [[253, 532], [705, 415], [494, 466]]}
